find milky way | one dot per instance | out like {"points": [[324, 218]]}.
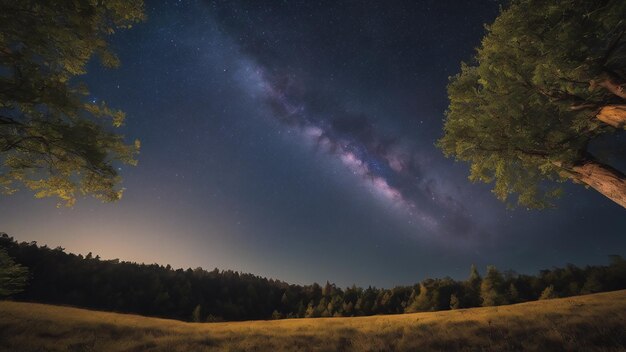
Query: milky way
{"points": [[295, 140], [390, 167]]}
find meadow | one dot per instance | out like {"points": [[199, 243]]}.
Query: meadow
{"points": [[594, 322]]}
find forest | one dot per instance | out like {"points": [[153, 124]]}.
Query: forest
{"points": [[54, 276]]}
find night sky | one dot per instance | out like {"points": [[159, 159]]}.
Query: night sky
{"points": [[295, 140]]}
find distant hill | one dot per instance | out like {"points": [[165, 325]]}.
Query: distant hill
{"points": [[584, 323], [57, 277]]}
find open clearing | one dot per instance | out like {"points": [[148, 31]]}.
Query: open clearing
{"points": [[585, 323]]}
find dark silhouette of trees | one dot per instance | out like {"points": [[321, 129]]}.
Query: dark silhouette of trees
{"points": [[492, 288], [13, 277], [471, 298], [57, 277]]}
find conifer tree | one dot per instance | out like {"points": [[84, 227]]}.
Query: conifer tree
{"points": [[491, 288], [454, 302], [548, 293], [196, 315], [472, 288], [421, 302]]}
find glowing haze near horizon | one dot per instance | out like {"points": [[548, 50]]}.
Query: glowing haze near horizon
{"points": [[296, 141]]}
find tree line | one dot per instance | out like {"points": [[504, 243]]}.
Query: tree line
{"points": [[57, 277]]}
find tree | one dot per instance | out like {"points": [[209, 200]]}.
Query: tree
{"points": [[328, 289], [284, 300], [592, 284], [472, 288], [52, 139], [548, 293], [359, 307], [513, 294], [548, 79], [196, 315], [421, 301], [454, 302], [311, 312], [13, 277], [276, 315], [616, 273], [491, 288], [474, 278], [348, 309]]}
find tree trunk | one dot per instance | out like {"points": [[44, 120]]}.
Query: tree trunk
{"points": [[614, 115], [608, 181]]}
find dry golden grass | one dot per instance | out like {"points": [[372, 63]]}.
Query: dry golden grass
{"points": [[586, 323]]}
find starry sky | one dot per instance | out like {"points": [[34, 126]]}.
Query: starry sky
{"points": [[295, 140]]}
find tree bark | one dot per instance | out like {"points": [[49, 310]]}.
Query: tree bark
{"points": [[608, 181], [614, 115]]}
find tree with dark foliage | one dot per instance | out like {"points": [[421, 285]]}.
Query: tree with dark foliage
{"points": [[13, 277], [548, 79]]}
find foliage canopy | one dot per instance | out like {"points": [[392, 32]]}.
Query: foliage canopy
{"points": [[52, 140], [527, 108]]}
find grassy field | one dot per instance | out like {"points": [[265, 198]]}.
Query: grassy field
{"points": [[585, 323]]}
